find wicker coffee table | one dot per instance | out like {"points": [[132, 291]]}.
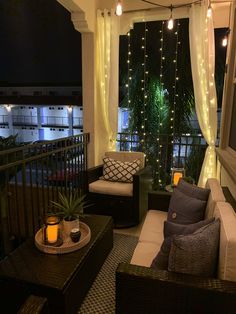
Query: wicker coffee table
{"points": [[64, 279]]}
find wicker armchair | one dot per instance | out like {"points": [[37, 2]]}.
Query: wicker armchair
{"points": [[145, 290], [125, 202]]}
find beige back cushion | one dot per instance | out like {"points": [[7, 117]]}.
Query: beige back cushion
{"points": [[227, 250], [216, 195], [127, 156]]}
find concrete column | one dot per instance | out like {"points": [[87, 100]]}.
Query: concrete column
{"points": [[88, 89], [70, 121], [10, 120], [39, 120]]}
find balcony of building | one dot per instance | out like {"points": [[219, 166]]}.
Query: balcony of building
{"points": [[33, 175]]}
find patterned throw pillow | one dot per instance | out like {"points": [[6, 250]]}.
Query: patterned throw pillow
{"points": [[118, 171]]}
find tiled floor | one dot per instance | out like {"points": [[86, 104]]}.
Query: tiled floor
{"points": [[133, 231]]}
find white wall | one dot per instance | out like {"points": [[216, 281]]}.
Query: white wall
{"points": [[55, 114], [77, 131], [24, 114], [77, 112], [3, 110], [55, 133], [26, 134], [4, 131], [24, 110]]}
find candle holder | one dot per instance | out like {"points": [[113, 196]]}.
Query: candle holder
{"points": [[177, 174], [52, 231]]}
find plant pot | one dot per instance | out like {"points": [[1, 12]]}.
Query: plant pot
{"points": [[67, 226]]}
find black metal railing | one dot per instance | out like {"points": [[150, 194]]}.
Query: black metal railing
{"points": [[4, 119], [24, 120], [30, 177], [164, 152], [78, 122], [53, 120], [44, 120]]}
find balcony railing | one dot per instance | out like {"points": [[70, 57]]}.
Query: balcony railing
{"points": [[52, 120], [163, 152], [78, 122], [45, 120], [33, 175], [24, 120], [4, 119]]}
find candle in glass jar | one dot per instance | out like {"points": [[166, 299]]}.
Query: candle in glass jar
{"points": [[52, 229], [177, 176]]}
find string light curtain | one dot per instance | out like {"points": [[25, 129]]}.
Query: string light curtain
{"points": [[202, 51], [107, 56]]}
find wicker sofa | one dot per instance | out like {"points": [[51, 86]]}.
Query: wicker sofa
{"points": [[141, 289]]}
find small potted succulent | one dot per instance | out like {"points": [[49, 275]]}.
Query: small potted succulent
{"points": [[69, 208]]}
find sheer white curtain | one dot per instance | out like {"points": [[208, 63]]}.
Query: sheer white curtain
{"points": [[107, 63], [202, 51]]}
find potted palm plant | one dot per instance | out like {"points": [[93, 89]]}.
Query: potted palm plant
{"points": [[69, 208]]}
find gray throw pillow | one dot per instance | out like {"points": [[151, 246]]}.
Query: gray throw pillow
{"points": [[193, 190], [184, 209], [196, 253], [171, 229]]}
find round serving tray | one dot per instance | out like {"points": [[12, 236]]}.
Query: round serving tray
{"points": [[68, 245]]}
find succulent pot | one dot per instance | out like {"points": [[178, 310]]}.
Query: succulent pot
{"points": [[67, 226]]}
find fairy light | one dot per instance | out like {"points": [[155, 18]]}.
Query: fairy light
{"points": [[129, 69], [175, 93], [161, 104], [144, 85]]}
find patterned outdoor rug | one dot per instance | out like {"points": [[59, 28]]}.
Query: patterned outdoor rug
{"points": [[101, 297]]}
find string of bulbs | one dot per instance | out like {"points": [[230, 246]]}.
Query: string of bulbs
{"points": [[170, 22]]}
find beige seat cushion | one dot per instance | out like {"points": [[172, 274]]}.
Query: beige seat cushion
{"points": [[127, 156], [144, 253], [150, 239], [216, 195], [152, 230], [111, 188], [227, 250]]}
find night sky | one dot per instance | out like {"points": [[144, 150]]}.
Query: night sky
{"points": [[39, 45]]}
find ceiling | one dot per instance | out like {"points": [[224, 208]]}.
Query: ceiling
{"points": [[221, 8], [139, 4]]}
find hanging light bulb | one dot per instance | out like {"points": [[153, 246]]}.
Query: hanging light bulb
{"points": [[170, 23], [209, 10], [225, 41], [119, 9]]}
